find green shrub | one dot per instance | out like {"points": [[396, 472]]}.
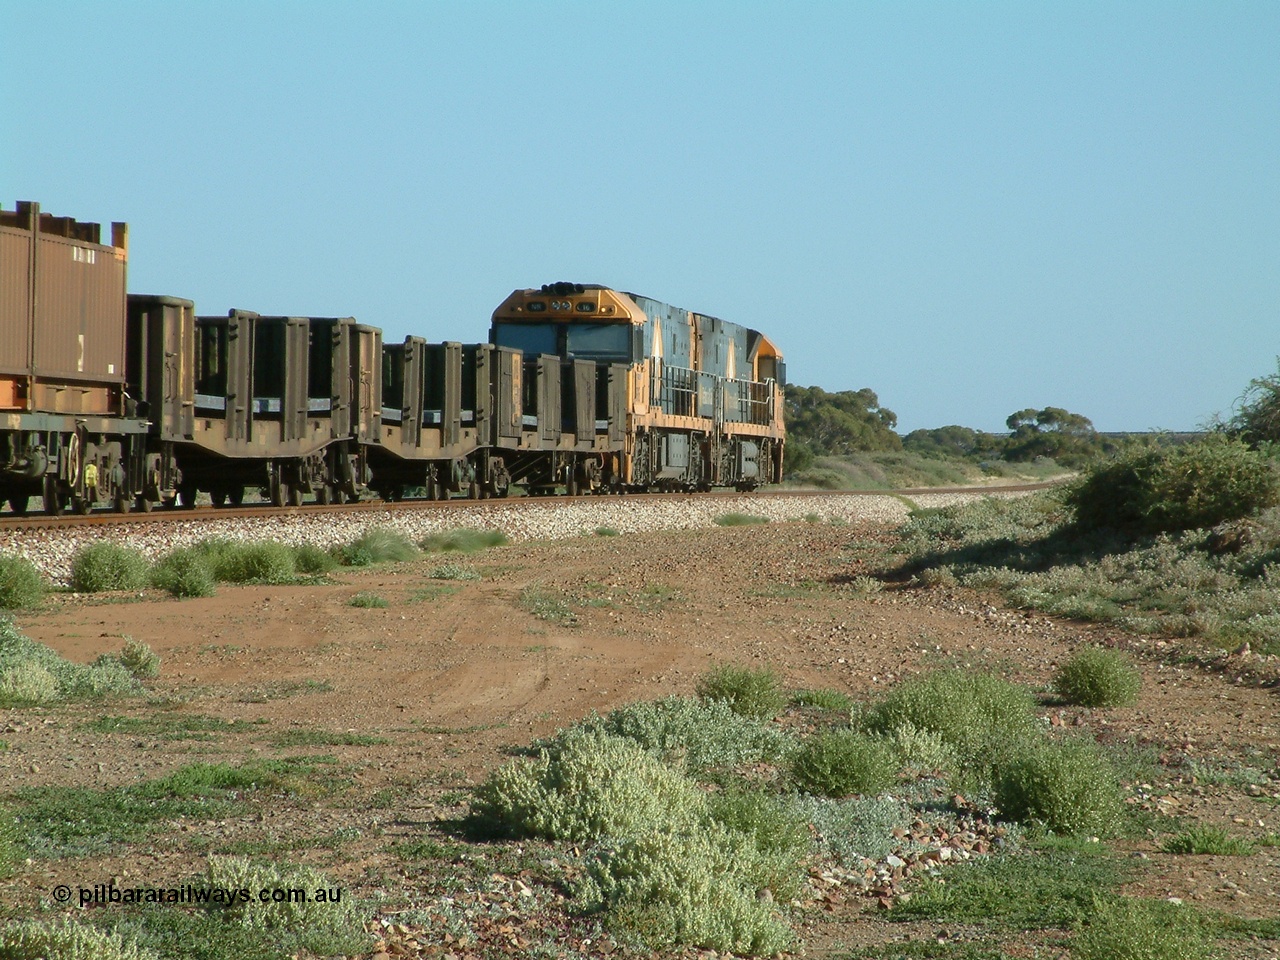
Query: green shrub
{"points": [[184, 573], [858, 828], [27, 666], [592, 785], [685, 888], [840, 763], [463, 541], [368, 600], [974, 713], [27, 685], [664, 867], [377, 545], [310, 560], [920, 751], [21, 585], [1192, 485], [65, 940], [1098, 677], [139, 659], [108, 566], [1209, 840], [739, 520], [1130, 929], [454, 571], [751, 693], [832, 700], [305, 922], [1067, 786], [606, 532], [258, 562], [701, 734]]}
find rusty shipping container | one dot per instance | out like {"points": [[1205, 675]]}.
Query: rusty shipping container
{"points": [[62, 314]]}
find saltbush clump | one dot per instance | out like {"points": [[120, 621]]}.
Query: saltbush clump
{"points": [[840, 763], [27, 685], [686, 887], [1184, 487], [258, 562], [973, 713], [26, 667], [589, 785], [21, 585], [1098, 677], [377, 545], [323, 921], [740, 520], [464, 540], [108, 566], [1067, 786], [184, 573], [751, 693], [665, 866], [310, 560], [1126, 928], [701, 734], [65, 940], [139, 659]]}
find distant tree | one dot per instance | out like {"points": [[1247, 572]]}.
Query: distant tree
{"points": [[1257, 418], [949, 441], [1052, 432], [838, 423]]}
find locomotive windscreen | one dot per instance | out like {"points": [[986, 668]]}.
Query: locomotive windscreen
{"points": [[604, 342]]}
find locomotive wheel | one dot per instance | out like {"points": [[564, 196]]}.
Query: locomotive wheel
{"points": [[19, 504]]}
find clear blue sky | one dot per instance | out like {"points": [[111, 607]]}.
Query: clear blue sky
{"points": [[969, 207]]}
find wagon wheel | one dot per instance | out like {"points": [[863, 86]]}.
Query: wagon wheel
{"points": [[19, 504], [324, 494]]}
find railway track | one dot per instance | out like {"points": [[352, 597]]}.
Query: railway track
{"points": [[208, 513]]}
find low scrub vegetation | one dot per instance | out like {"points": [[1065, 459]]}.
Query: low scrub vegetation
{"points": [[185, 572], [108, 566], [21, 585], [465, 540], [1067, 786], [69, 939], [1214, 841], [691, 810], [377, 545], [740, 520], [1221, 583], [840, 763], [32, 674], [1098, 677], [751, 693]]}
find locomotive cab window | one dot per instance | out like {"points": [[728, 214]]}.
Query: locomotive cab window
{"points": [[599, 341], [530, 338]]}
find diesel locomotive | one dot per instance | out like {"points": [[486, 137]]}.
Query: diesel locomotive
{"points": [[134, 400]]}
